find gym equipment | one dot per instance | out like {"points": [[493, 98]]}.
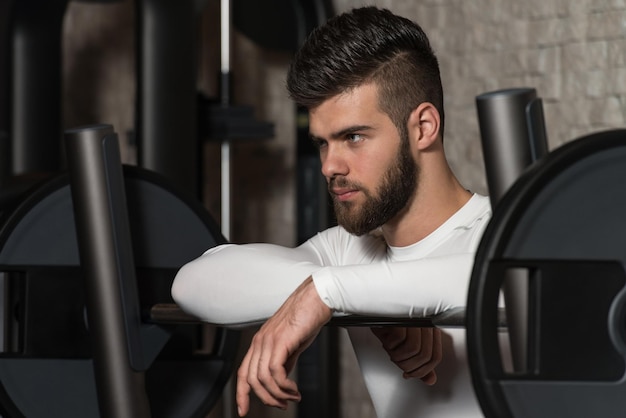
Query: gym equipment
{"points": [[30, 85], [33, 38], [166, 114], [513, 137], [166, 111], [171, 116], [561, 224], [61, 315]]}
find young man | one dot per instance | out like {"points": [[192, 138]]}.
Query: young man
{"points": [[406, 241]]}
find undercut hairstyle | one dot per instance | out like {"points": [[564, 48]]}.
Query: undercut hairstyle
{"points": [[368, 45]]}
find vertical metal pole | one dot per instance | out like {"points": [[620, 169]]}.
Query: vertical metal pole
{"points": [[5, 145], [167, 133], [225, 81], [511, 142], [105, 250], [35, 132], [513, 137], [225, 99]]}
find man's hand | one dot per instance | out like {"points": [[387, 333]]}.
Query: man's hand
{"points": [[276, 346], [417, 351]]}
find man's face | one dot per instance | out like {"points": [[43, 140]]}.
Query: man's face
{"points": [[369, 169]]}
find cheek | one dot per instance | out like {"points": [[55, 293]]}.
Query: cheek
{"points": [[374, 167]]}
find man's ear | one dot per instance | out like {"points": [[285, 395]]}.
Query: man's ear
{"points": [[424, 125]]}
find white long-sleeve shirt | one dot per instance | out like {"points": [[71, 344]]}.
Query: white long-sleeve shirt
{"points": [[237, 285]]}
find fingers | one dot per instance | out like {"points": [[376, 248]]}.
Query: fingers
{"points": [[422, 364], [265, 376], [430, 379], [242, 396], [391, 337], [417, 351], [277, 345]]}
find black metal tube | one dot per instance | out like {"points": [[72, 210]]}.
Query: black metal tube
{"points": [[36, 128], [105, 248], [5, 148], [167, 96], [513, 137], [510, 141]]}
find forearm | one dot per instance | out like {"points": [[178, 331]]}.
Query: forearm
{"points": [[401, 289]]}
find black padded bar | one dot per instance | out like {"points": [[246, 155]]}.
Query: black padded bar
{"points": [[170, 313], [105, 250], [452, 318]]}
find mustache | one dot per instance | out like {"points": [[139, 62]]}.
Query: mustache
{"points": [[344, 183]]}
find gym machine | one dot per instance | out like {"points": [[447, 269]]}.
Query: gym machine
{"points": [[84, 257], [559, 232], [47, 349], [42, 330]]}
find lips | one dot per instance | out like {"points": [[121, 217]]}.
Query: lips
{"points": [[343, 194]]}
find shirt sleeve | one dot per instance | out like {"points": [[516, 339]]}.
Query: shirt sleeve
{"points": [[411, 289], [240, 285]]}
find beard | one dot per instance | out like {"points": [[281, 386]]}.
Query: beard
{"points": [[398, 186]]}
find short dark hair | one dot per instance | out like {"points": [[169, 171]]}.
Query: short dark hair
{"points": [[368, 45]]}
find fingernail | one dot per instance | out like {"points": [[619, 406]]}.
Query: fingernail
{"points": [[239, 410]]}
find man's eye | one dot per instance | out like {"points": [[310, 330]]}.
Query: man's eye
{"points": [[355, 137]]}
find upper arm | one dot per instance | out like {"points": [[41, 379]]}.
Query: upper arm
{"points": [[239, 284]]}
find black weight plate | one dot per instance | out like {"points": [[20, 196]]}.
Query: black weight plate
{"points": [[564, 221], [45, 366]]}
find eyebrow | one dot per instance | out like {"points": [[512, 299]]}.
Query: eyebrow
{"points": [[343, 132]]}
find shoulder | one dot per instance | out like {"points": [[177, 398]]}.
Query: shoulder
{"points": [[473, 220], [476, 212], [479, 204]]}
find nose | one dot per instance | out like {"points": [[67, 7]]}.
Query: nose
{"points": [[333, 161]]}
